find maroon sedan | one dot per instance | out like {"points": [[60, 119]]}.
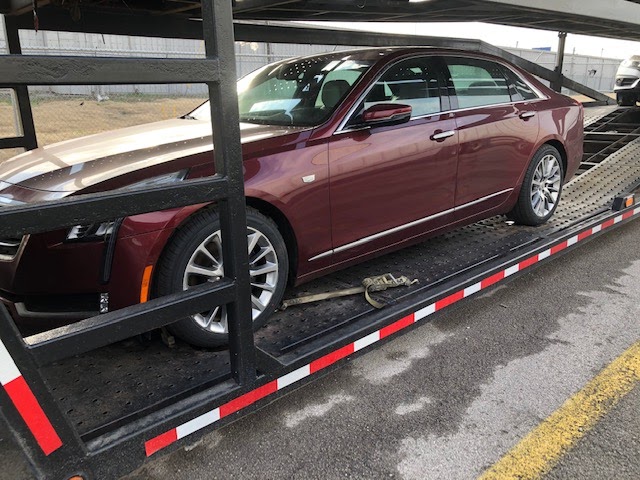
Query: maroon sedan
{"points": [[347, 155]]}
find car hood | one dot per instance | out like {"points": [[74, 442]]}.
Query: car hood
{"points": [[73, 165]]}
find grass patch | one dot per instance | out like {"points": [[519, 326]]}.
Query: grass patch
{"points": [[59, 118]]}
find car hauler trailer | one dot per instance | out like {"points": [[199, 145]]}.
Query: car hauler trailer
{"points": [[79, 398]]}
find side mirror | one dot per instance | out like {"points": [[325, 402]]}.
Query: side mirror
{"points": [[386, 114]]}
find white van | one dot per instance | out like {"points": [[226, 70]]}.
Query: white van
{"points": [[627, 87]]}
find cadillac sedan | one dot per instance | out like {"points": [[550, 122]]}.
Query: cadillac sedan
{"points": [[347, 155]]}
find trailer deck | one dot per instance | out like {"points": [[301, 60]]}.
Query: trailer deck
{"points": [[106, 389]]}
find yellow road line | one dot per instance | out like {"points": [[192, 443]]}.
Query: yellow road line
{"points": [[541, 449]]}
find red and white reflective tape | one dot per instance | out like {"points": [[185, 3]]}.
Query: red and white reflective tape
{"points": [[26, 403], [167, 438]]}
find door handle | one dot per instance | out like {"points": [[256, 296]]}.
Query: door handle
{"points": [[526, 115], [438, 137]]}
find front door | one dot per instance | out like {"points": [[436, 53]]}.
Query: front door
{"points": [[394, 182]]}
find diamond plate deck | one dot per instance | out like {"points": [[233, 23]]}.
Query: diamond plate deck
{"points": [[593, 114]]}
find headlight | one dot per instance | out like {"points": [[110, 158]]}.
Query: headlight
{"points": [[99, 231]]}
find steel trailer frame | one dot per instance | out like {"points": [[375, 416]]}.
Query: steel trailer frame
{"points": [[53, 448], [52, 444]]}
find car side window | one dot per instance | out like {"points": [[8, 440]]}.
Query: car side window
{"points": [[336, 84], [411, 82], [477, 82], [519, 89]]}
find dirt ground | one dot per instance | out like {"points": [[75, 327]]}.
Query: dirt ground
{"points": [[584, 98], [61, 119]]}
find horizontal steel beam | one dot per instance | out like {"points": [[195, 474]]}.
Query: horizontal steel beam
{"points": [[13, 142], [48, 70], [244, 6], [12, 6], [108, 328], [251, 32], [622, 11], [114, 23], [91, 208]]}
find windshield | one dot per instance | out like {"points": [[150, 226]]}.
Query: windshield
{"points": [[302, 92]]}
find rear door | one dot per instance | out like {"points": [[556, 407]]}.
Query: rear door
{"points": [[497, 131], [389, 183]]}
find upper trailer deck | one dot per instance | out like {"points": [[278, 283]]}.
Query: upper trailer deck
{"points": [[617, 19], [106, 389]]}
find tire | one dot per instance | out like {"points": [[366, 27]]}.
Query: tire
{"points": [[185, 260], [541, 188], [626, 99]]}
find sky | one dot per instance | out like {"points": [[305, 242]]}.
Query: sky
{"points": [[504, 36]]}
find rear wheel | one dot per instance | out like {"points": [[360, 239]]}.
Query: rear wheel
{"points": [[194, 257], [626, 99], [541, 188]]}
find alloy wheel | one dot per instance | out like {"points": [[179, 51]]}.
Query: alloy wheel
{"points": [[206, 265], [545, 185]]}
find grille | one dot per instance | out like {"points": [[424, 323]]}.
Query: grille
{"points": [[9, 248], [625, 82]]}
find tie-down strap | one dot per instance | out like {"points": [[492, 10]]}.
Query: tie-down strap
{"points": [[369, 284]]}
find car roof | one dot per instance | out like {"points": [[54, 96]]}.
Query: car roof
{"points": [[377, 52]]}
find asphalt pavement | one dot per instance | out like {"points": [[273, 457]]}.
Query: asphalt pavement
{"points": [[452, 397], [611, 449], [449, 399]]}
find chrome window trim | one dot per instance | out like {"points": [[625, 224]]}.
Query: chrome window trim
{"points": [[384, 233], [342, 126], [481, 106]]}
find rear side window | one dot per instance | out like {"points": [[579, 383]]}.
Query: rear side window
{"points": [[477, 82], [518, 88], [411, 82]]}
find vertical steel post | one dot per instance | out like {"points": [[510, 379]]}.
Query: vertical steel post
{"points": [[556, 84], [217, 25], [21, 91]]}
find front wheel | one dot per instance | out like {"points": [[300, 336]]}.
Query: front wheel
{"points": [[541, 188], [194, 257]]}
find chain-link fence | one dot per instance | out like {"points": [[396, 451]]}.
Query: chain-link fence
{"points": [[594, 72], [58, 117], [65, 112]]}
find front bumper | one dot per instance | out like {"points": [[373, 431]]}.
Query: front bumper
{"points": [[627, 83], [50, 283], [35, 313]]}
